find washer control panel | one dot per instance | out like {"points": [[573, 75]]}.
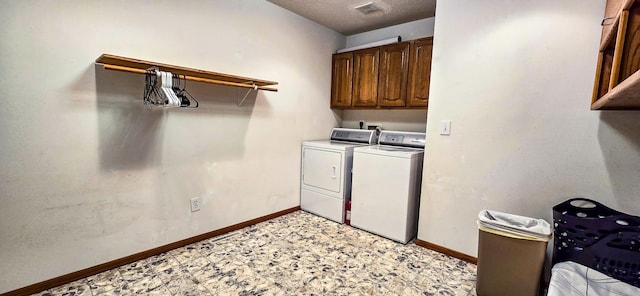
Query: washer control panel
{"points": [[353, 135], [406, 139]]}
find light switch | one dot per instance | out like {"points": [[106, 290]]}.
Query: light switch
{"points": [[445, 127]]}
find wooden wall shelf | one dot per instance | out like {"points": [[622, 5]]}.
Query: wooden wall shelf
{"points": [[113, 62], [625, 96], [617, 81]]}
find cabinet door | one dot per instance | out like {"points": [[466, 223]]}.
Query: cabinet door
{"points": [[419, 72], [394, 64], [341, 80], [365, 77]]}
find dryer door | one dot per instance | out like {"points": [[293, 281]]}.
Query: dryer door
{"points": [[322, 169]]}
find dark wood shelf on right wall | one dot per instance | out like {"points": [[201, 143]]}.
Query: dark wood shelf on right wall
{"points": [[617, 81]]}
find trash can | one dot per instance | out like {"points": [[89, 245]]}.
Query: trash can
{"points": [[511, 253]]}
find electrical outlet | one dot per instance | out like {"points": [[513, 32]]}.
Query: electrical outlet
{"points": [[196, 204], [373, 125]]}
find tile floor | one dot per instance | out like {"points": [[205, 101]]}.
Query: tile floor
{"points": [[295, 254]]}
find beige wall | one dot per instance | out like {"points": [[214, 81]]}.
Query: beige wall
{"points": [[515, 79], [89, 175], [397, 120], [407, 31]]}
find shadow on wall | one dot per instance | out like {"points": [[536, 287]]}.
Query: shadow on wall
{"points": [[129, 137], [618, 134], [132, 136]]}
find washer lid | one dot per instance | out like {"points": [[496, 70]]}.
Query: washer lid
{"points": [[327, 144], [386, 150]]}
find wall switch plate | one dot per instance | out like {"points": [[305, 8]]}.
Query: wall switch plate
{"points": [[196, 204], [445, 127]]}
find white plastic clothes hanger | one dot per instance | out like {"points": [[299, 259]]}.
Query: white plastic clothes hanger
{"points": [[152, 94], [172, 99], [176, 100], [160, 88]]}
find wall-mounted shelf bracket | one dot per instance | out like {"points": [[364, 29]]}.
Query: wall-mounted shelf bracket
{"points": [[253, 87]]}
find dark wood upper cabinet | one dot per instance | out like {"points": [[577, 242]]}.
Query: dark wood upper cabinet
{"points": [[394, 76], [394, 66], [365, 77], [419, 72], [341, 80]]}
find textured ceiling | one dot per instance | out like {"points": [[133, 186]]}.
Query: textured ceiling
{"points": [[341, 15]]}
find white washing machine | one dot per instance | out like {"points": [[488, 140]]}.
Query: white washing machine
{"points": [[325, 183], [385, 193]]}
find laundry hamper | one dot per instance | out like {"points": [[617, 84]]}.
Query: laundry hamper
{"points": [[591, 234], [511, 253]]}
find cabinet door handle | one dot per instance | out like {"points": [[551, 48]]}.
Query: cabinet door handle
{"points": [[334, 172]]}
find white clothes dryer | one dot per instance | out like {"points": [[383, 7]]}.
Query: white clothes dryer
{"points": [[386, 185], [325, 181]]}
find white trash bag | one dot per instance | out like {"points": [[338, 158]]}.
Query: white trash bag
{"points": [[514, 225]]}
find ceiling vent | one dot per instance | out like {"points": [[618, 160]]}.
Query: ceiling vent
{"points": [[368, 8]]}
